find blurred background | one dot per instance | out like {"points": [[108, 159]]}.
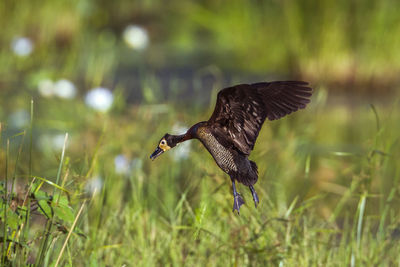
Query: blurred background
{"points": [[117, 75]]}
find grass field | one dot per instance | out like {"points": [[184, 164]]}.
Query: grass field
{"points": [[329, 190], [78, 187]]}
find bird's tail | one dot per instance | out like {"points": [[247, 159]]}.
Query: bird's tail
{"points": [[251, 176]]}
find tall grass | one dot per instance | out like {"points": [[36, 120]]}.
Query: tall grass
{"points": [[20, 207], [328, 188], [328, 175]]}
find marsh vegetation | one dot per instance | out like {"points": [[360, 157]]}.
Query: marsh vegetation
{"points": [[87, 88]]}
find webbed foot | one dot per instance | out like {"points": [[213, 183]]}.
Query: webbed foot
{"points": [[255, 196], [237, 202], [237, 198]]}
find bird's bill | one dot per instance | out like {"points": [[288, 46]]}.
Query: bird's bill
{"points": [[156, 153]]}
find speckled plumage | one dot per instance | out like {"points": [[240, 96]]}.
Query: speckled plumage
{"points": [[231, 161], [232, 130], [223, 157]]}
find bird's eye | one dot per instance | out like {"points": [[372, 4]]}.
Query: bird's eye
{"points": [[163, 142]]}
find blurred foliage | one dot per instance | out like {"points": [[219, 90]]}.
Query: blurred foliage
{"points": [[323, 41], [328, 184], [329, 178]]}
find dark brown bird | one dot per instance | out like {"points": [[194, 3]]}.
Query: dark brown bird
{"points": [[231, 132]]}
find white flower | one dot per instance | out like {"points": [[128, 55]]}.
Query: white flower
{"points": [[58, 141], [121, 164], [22, 46], [46, 87], [94, 185], [136, 37], [65, 89], [99, 99], [51, 142], [19, 119], [182, 150]]}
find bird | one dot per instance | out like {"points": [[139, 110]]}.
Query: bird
{"points": [[232, 130]]}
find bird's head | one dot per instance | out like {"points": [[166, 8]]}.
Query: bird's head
{"points": [[166, 143]]}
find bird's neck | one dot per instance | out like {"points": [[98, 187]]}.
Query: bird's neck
{"points": [[180, 138], [190, 134]]}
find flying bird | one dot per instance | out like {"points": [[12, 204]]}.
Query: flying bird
{"points": [[231, 132]]}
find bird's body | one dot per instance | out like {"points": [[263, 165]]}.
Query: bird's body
{"points": [[230, 160], [231, 132]]}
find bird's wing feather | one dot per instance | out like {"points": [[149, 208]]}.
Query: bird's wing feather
{"points": [[241, 110]]}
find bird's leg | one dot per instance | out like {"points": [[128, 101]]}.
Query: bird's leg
{"points": [[237, 198], [255, 197]]}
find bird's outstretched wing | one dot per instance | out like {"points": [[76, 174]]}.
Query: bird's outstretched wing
{"points": [[242, 109]]}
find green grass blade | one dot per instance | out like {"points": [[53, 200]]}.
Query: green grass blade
{"points": [[26, 226], [56, 186], [47, 233], [5, 205], [69, 234], [17, 159], [361, 210], [61, 163]]}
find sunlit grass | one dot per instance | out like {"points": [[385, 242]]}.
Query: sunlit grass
{"points": [[328, 175], [328, 188]]}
